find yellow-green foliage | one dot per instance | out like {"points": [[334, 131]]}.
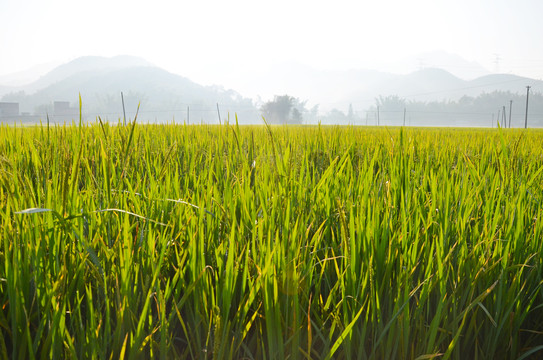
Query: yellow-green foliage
{"points": [[219, 242]]}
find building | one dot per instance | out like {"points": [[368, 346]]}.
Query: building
{"points": [[9, 109]]}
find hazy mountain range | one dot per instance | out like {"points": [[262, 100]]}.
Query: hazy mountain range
{"points": [[166, 96], [339, 89], [100, 81]]}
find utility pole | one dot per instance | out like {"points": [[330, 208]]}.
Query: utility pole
{"points": [[526, 118], [504, 118], [188, 115], [404, 111], [219, 113], [498, 119], [378, 119], [124, 112], [510, 111]]}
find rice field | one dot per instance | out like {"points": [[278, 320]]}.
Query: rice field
{"points": [[262, 242]]}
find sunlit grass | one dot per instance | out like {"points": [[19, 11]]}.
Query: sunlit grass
{"points": [[179, 241]]}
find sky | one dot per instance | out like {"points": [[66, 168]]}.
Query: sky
{"points": [[227, 42]]}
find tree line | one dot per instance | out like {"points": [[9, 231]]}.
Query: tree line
{"points": [[487, 109]]}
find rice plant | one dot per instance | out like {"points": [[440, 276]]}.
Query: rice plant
{"points": [[264, 242]]}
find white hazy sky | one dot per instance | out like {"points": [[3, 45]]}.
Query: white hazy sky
{"points": [[217, 41]]}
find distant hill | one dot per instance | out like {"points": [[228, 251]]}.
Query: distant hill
{"points": [[6, 90], [24, 77], [504, 82], [360, 87], [436, 85], [428, 84], [163, 96], [452, 63], [88, 64]]}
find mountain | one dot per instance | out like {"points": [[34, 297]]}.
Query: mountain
{"points": [[504, 82], [452, 63], [20, 78], [162, 96], [41, 76], [89, 64], [327, 88], [360, 86], [6, 90], [338, 89], [426, 85]]}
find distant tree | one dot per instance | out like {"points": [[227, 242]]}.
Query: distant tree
{"points": [[299, 112], [335, 116], [390, 109], [466, 111], [296, 116], [391, 102], [313, 113], [17, 96], [283, 109], [43, 110]]}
